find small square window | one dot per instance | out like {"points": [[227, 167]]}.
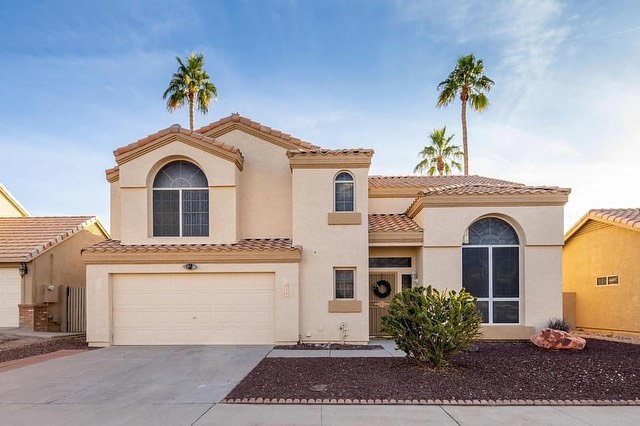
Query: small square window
{"points": [[601, 281], [344, 279], [613, 279]]}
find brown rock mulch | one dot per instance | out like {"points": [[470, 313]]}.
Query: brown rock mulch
{"points": [[14, 347], [498, 373]]}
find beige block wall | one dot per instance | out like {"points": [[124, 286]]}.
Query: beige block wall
{"points": [[603, 252], [99, 294], [325, 247], [62, 267], [132, 198], [389, 205], [265, 199], [540, 232]]}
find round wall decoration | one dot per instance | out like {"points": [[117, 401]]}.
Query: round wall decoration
{"points": [[382, 289]]}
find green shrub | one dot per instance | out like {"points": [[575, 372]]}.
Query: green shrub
{"points": [[559, 324], [431, 326]]}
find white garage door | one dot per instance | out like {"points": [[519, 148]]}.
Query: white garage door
{"points": [[194, 309], [9, 297]]}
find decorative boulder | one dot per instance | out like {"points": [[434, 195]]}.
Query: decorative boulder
{"points": [[557, 339]]}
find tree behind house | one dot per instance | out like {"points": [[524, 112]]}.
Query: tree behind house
{"points": [[469, 80], [439, 156], [190, 84]]}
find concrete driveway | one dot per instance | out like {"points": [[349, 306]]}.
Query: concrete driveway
{"points": [[181, 385], [126, 385]]}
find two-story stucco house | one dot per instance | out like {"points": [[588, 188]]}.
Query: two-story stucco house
{"points": [[240, 234]]}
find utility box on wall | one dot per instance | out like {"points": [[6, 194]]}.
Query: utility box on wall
{"points": [[50, 293]]}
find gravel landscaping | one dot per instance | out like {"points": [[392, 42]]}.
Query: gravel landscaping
{"points": [[327, 346], [604, 370], [18, 347]]}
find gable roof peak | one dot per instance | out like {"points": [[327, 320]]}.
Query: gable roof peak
{"points": [[237, 121], [624, 217]]}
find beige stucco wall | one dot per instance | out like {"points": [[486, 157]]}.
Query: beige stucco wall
{"points": [[115, 212], [604, 252], [7, 209], [62, 267], [389, 205], [540, 231], [265, 198], [99, 294], [131, 212], [325, 247]]}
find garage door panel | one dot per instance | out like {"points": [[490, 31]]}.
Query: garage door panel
{"points": [[193, 309], [10, 289]]}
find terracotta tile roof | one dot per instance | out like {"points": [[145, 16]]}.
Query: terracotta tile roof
{"points": [[628, 217], [425, 182], [266, 244], [493, 189], [23, 238], [173, 129], [392, 223], [237, 118], [327, 152]]}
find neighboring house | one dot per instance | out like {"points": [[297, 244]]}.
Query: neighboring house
{"points": [[601, 261], [39, 260], [238, 233]]}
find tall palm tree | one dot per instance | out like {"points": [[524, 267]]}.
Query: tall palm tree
{"points": [[467, 78], [439, 155], [190, 83]]}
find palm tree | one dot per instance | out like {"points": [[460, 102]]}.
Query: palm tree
{"points": [[467, 78], [190, 83], [439, 155]]}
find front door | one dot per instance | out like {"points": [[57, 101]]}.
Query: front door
{"points": [[382, 287]]}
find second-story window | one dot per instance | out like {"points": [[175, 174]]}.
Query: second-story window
{"points": [[344, 192], [180, 201]]}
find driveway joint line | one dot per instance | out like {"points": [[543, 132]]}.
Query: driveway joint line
{"points": [[571, 415], [202, 415], [449, 414]]}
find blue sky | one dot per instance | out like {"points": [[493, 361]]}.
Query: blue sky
{"points": [[79, 79]]}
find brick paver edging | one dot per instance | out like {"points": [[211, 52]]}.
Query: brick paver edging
{"points": [[497, 402]]}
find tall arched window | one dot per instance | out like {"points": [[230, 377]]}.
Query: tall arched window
{"points": [[491, 269], [344, 192], [180, 201]]}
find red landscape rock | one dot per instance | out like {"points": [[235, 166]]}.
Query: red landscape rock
{"points": [[557, 339]]}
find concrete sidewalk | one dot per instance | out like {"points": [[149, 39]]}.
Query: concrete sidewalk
{"points": [[242, 414], [388, 350]]}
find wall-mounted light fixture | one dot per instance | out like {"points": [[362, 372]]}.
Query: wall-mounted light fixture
{"points": [[286, 290], [22, 269], [190, 266]]}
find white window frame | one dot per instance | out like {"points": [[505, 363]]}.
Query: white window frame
{"points": [[335, 282], [335, 182], [492, 299], [606, 280]]}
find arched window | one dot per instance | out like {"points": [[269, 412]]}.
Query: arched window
{"points": [[344, 192], [491, 269], [180, 201]]}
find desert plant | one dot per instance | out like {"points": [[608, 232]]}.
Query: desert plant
{"points": [[430, 326], [559, 324]]}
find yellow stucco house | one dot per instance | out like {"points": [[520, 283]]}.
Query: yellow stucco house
{"points": [[237, 233], [601, 261], [41, 274]]}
